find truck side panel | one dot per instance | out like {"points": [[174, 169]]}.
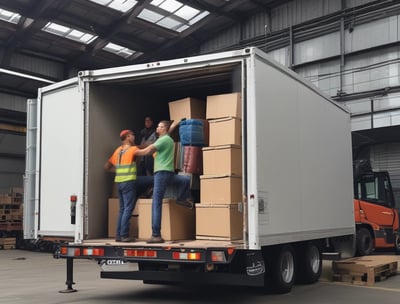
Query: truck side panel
{"points": [[302, 148]]}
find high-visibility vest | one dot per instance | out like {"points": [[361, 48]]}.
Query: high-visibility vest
{"points": [[125, 165]]}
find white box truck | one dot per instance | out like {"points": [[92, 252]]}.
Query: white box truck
{"points": [[296, 171]]}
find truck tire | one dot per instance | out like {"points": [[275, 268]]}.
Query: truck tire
{"points": [[397, 243], [281, 270], [364, 242], [309, 263]]}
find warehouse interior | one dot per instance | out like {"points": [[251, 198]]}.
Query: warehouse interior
{"points": [[349, 49]]}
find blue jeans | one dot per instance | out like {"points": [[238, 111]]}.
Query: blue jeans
{"points": [[161, 180], [127, 201], [143, 183]]}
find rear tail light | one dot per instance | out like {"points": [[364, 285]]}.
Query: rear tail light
{"points": [[143, 253], [192, 256]]}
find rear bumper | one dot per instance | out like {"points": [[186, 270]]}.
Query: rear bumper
{"points": [[189, 278]]}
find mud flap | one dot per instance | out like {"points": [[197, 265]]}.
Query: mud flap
{"points": [[255, 263]]}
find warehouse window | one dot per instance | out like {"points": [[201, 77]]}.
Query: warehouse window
{"points": [[69, 33], [119, 5], [172, 14], [9, 16], [121, 51]]}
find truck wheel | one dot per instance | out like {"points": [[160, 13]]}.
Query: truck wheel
{"points": [[397, 243], [309, 264], [364, 242], [281, 276]]}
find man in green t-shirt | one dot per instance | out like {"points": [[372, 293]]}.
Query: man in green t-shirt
{"points": [[164, 175]]}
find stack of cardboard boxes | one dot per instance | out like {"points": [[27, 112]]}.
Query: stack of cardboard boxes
{"points": [[219, 214]]}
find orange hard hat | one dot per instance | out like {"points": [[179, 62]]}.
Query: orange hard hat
{"points": [[125, 132]]}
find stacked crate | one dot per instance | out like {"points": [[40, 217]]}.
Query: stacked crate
{"points": [[219, 214], [11, 212]]}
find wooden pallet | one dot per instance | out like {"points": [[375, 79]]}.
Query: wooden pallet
{"points": [[365, 270], [10, 225], [7, 243]]}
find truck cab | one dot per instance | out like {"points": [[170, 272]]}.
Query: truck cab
{"points": [[376, 219]]}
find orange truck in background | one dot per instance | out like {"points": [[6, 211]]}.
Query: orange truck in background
{"points": [[376, 218]]}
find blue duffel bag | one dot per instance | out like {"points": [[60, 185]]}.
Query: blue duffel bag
{"points": [[191, 132]]}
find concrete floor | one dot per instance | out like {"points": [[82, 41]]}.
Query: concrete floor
{"points": [[34, 277]]}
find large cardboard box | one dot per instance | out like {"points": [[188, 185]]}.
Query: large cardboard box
{"points": [[224, 105], [219, 222], [225, 131], [187, 108], [113, 209], [222, 160], [177, 222], [220, 189]]}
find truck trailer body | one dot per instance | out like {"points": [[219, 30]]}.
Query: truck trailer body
{"points": [[296, 164]]}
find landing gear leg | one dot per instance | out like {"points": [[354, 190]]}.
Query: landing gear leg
{"points": [[70, 281]]}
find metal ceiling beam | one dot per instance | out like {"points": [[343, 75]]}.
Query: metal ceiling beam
{"points": [[116, 27], [224, 10], [214, 13], [32, 21]]}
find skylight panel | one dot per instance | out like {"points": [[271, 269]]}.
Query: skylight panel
{"points": [[170, 5], [187, 12], [169, 23], [69, 33], [198, 17], [9, 16], [150, 16], [172, 14], [119, 5], [120, 51]]}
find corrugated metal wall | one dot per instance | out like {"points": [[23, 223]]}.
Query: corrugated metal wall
{"points": [[386, 157], [296, 12], [343, 47], [40, 66], [12, 102]]}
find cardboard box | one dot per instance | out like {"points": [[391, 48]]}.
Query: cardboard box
{"points": [[187, 108], [225, 131], [222, 160], [224, 105], [113, 209], [220, 189], [177, 222], [220, 222]]}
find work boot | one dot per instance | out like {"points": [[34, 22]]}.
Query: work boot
{"points": [[187, 203], [128, 239], [155, 239]]}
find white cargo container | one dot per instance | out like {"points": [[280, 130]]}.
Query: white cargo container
{"points": [[296, 176]]}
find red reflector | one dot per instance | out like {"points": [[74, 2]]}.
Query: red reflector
{"points": [[70, 251], [231, 251], [93, 251], [140, 253]]}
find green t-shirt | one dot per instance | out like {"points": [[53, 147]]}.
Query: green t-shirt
{"points": [[164, 160]]}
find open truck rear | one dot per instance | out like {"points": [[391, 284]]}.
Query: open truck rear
{"points": [[296, 171]]}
